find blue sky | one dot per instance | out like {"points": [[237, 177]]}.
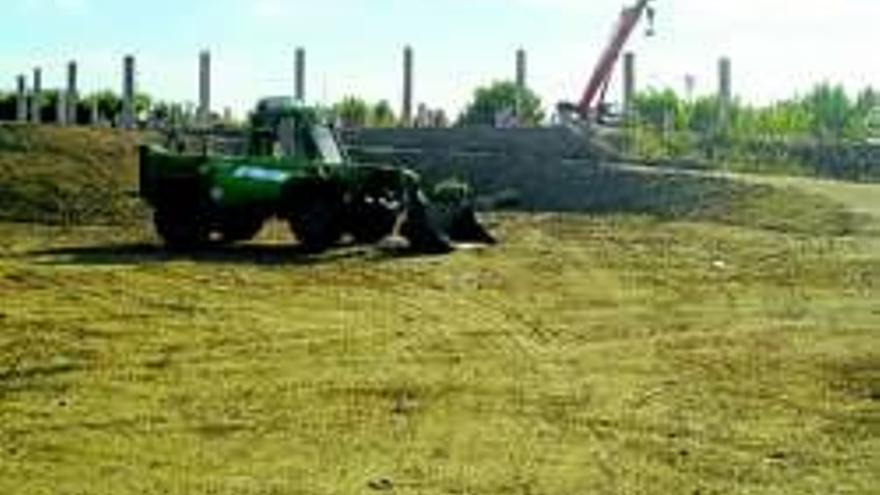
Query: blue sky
{"points": [[778, 47]]}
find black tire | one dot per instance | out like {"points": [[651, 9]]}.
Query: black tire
{"points": [[315, 216], [370, 222], [240, 228], [181, 230], [422, 233]]}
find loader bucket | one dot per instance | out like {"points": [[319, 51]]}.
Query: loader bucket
{"points": [[452, 210], [465, 227], [422, 231], [449, 217]]}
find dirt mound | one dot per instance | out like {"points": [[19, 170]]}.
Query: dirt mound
{"points": [[67, 176], [547, 170]]}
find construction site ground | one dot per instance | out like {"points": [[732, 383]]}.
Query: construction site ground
{"points": [[617, 351]]}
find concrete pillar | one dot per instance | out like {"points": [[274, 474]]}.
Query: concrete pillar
{"points": [[95, 118], [72, 93], [204, 116], [127, 120], [300, 75], [21, 113], [725, 92], [37, 96], [629, 82], [406, 111], [521, 68], [521, 82], [61, 108]]}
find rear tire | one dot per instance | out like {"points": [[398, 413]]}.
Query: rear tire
{"points": [[181, 230]]}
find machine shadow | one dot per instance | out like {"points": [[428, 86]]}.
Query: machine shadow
{"points": [[251, 254]]}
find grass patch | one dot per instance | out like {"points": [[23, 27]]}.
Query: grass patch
{"points": [[585, 354], [688, 340]]}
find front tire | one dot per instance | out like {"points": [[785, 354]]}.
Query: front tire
{"points": [[371, 221], [314, 213]]}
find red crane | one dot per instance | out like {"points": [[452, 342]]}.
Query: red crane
{"points": [[594, 95]]}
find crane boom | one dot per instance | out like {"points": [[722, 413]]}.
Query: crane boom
{"points": [[629, 18]]}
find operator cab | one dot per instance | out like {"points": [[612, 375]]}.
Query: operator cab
{"points": [[281, 127]]}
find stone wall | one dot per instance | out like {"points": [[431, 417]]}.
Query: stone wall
{"points": [[548, 169], [497, 162]]}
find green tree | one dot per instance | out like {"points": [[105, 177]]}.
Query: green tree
{"points": [[654, 107], [8, 105], [490, 101], [142, 104], [702, 114], [109, 104], [831, 111], [381, 115], [867, 109], [352, 111]]}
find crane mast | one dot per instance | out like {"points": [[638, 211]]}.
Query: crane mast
{"points": [[595, 91]]}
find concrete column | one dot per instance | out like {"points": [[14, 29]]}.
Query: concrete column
{"points": [[629, 82], [521, 82], [37, 96], [725, 92], [521, 68], [204, 88], [21, 113], [61, 108], [95, 118], [127, 120], [300, 75], [407, 108], [72, 93]]}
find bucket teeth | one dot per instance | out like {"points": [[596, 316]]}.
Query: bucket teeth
{"points": [[466, 228], [433, 227]]}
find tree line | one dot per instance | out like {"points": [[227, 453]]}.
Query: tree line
{"points": [[827, 113], [487, 103]]}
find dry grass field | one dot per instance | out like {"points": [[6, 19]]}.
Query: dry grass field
{"points": [[608, 354]]}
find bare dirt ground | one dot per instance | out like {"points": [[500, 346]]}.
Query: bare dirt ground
{"points": [[617, 353]]}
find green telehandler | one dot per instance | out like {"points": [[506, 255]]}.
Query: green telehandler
{"points": [[293, 168]]}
